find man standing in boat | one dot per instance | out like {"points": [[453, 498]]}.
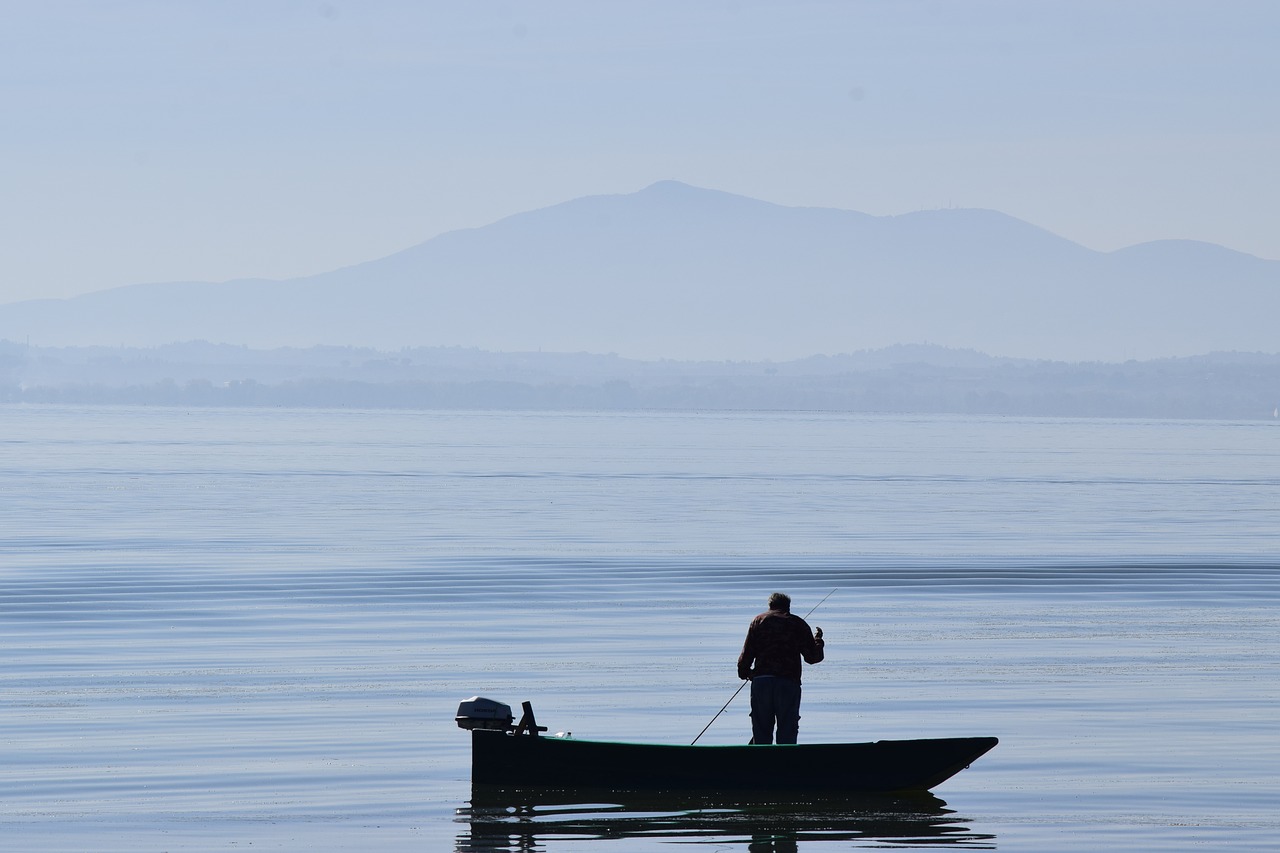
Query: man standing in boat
{"points": [[776, 643]]}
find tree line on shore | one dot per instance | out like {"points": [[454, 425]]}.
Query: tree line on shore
{"points": [[937, 381]]}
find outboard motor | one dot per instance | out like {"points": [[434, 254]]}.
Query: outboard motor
{"points": [[481, 713]]}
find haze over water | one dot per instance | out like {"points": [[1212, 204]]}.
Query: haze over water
{"points": [[235, 628]]}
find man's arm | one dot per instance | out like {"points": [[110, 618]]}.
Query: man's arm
{"points": [[813, 650], [744, 664], [748, 656]]}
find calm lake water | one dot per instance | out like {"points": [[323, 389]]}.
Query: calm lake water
{"points": [[250, 629]]}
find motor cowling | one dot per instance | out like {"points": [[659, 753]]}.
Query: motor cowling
{"points": [[481, 713]]}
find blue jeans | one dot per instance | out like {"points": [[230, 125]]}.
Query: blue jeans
{"points": [[774, 700]]}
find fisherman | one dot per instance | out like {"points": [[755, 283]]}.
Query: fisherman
{"points": [[776, 643]]}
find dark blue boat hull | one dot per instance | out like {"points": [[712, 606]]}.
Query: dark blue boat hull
{"points": [[501, 758]]}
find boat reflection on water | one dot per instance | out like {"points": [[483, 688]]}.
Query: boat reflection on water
{"points": [[516, 819]]}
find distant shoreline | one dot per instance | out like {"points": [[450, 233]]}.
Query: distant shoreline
{"points": [[908, 379]]}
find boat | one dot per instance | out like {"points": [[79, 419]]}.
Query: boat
{"points": [[509, 754]]}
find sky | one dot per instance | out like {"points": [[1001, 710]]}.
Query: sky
{"points": [[163, 140]]}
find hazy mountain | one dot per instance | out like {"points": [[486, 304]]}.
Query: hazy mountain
{"points": [[674, 271]]}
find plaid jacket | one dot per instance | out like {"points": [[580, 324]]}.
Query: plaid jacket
{"points": [[776, 642]]}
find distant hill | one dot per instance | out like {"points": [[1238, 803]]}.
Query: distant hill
{"points": [[678, 272]]}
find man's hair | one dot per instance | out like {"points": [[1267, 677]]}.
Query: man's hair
{"points": [[780, 601]]}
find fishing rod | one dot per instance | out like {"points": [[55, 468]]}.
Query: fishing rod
{"points": [[744, 684]]}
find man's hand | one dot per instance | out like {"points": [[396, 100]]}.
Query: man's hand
{"points": [[817, 634]]}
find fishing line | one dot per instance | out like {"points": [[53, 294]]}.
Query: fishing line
{"points": [[745, 683]]}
